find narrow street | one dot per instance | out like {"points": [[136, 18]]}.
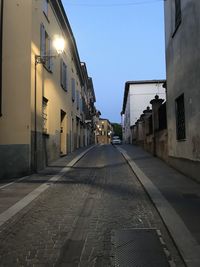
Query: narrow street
{"points": [[73, 221]]}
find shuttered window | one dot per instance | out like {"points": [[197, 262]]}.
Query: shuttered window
{"points": [[81, 104], [77, 100], [73, 89], [45, 7], [63, 74], [46, 48], [180, 118]]}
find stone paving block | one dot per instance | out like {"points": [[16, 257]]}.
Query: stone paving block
{"points": [[84, 206]]}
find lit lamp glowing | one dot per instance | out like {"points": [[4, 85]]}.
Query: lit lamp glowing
{"points": [[59, 44]]}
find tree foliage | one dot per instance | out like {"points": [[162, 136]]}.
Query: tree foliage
{"points": [[117, 129]]}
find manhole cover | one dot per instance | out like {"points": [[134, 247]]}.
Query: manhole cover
{"points": [[138, 248]]}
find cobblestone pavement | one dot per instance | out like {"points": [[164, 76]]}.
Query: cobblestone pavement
{"points": [[70, 224]]}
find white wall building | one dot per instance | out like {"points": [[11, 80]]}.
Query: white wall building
{"points": [[137, 96], [182, 41]]}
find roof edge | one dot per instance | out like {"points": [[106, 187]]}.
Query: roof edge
{"points": [[136, 82]]}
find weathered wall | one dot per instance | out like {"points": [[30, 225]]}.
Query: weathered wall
{"points": [[49, 86], [183, 68], [15, 122], [182, 57]]}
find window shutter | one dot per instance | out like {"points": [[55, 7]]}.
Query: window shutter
{"points": [[73, 89], [61, 70], [42, 41], [77, 99], [66, 77], [45, 7], [50, 58], [81, 104]]}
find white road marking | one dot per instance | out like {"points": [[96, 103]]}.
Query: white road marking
{"points": [[13, 210], [6, 185]]}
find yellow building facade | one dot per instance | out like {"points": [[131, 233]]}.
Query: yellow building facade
{"points": [[42, 116], [104, 131]]}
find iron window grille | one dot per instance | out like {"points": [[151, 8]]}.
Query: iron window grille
{"points": [[45, 115], [180, 118], [162, 117]]}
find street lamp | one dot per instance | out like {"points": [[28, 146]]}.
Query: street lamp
{"points": [[59, 45]]}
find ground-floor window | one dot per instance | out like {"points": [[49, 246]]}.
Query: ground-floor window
{"points": [[180, 118], [45, 115]]}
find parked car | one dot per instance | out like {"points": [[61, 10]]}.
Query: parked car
{"points": [[116, 140]]}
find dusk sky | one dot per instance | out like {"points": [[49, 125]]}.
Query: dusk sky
{"points": [[120, 40]]}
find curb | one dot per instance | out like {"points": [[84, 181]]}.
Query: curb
{"points": [[17, 207], [187, 245]]}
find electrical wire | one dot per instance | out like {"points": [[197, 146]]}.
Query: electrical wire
{"points": [[115, 5]]}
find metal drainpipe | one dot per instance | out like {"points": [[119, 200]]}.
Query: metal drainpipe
{"points": [[1, 54], [35, 119]]}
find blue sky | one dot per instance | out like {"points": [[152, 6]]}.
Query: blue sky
{"points": [[120, 40]]}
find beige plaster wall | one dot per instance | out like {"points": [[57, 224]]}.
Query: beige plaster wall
{"points": [[15, 122]]}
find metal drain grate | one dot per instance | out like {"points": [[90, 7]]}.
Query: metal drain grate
{"points": [[138, 248]]}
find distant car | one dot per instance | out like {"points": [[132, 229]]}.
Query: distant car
{"points": [[116, 140]]}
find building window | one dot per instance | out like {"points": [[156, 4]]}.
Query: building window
{"points": [[45, 115], [45, 7], [45, 48], [177, 13], [63, 74], [81, 104], [180, 118], [73, 90], [77, 100]]}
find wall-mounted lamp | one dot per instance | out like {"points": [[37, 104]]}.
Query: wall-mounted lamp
{"points": [[59, 45]]}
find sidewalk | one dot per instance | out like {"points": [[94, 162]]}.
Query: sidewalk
{"points": [[176, 197], [16, 194]]}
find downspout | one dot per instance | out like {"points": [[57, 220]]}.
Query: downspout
{"points": [[1, 53], [35, 118]]}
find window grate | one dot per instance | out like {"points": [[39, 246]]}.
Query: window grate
{"points": [[180, 118], [44, 115], [162, 117]]}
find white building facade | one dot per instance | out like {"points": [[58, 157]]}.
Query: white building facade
{"points": [[137, 96], [182, 41]]}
